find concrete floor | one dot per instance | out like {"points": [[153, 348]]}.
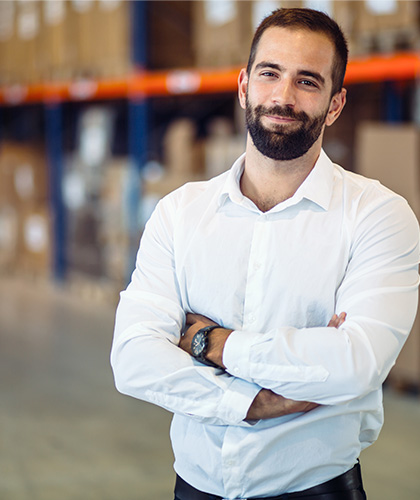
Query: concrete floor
{"points": [[66, 434]]}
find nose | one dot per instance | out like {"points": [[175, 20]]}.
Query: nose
{"points": [[284, 93]]}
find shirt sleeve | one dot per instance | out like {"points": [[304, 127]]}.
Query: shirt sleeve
{"points": [[145, 357], [379, 294]]}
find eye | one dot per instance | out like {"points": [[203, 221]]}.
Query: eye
{"points": [[308, 83], [268, 74]]}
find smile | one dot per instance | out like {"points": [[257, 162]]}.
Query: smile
{"points": [[280, 119]]}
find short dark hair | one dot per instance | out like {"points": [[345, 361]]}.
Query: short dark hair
{"points": [[312, 20]]}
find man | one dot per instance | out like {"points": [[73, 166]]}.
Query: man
{"points": [[295, 280]]}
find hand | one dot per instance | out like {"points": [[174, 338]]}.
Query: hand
{"points": [[268, 404], [337, 321], [194, 322], [217, 337]]}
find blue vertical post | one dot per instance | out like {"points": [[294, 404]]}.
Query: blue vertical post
{"points": [[139, 33], [138, 109], [138, 105], [53, 125], [393, 102]]}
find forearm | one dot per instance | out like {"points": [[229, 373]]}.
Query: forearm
{"points": [[288, 361], [267, 405], [148, 365]]}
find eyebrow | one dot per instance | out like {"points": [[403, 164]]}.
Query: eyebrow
{"points": [[313, 74]]}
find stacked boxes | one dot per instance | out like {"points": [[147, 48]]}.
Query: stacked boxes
{"points": [[391, 154], [59, 55], [19, 41], [387, 26], [189, 158], [170, 26], [25, 241], [43, 40], [222, 32]]}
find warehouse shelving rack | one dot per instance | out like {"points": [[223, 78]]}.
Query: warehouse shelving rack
{"points": [[143, 84]]}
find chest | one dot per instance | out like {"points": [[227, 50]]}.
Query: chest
{"points": [[252, 272]]}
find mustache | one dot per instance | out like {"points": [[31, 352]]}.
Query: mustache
{"points": [[285, 111]]}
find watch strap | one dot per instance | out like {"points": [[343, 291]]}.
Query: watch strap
{"points": [[202, 356]]}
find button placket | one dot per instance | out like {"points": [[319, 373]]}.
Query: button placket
{"points": [[254, 287], [231, 461]]}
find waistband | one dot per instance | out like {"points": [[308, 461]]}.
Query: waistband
{"points": [[347, 486]]}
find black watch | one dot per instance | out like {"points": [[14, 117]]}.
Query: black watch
{"points": [[200, 344]]}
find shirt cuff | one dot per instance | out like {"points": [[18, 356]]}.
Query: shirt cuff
{"points": [[236, 351], [237, 400]]}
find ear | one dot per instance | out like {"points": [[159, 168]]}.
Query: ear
{"points": [[336, 107], [242, 87]]}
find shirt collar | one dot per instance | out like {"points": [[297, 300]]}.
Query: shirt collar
{"points": [[231, 188], [317, 187]]}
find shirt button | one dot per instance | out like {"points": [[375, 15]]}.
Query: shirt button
{"points": [[251, 319], [257, 266]]}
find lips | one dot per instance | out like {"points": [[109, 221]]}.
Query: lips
{"points": [[281, 118]]}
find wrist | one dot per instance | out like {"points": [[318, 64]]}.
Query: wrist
{"points": [[217, 340]]}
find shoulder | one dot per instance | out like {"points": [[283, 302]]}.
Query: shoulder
{"points": [[197, 192], [365, 193], [375, 211]]}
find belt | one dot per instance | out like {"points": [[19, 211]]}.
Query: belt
{"points": [[347, 486]]}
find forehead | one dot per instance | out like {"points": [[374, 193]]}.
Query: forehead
{"points": [[297, 49]]}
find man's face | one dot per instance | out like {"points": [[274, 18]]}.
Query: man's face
{"points": [[281, 142], [287, 96]]}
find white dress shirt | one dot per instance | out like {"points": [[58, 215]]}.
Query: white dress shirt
{"points": [[342, 243]]}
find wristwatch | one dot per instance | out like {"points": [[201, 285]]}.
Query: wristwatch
{"points": [[200, 344]]}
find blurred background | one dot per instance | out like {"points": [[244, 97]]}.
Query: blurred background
{"points": [[106, 106]]}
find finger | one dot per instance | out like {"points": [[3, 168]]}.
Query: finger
{"points": [[342, 318], [333, 321], [195, 318]]}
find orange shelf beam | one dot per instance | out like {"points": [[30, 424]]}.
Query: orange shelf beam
{"points": [[402, 66], [140, 85]]}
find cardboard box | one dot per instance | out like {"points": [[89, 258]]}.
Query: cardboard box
{"points": [[377, 15], [35, 240], [182, 150], [20, 26], [222, 147], [84, 252], [83, 15], [9, 229], [169, 37], [7, 36], [114, 223], [222, 32], [391, 154], [26, 50], [386, 26], [58, 36], [23, 174], [113, 38]]}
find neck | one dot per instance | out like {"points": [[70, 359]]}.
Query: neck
{"points": [[268, 182]]}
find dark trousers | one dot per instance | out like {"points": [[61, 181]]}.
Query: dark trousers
{"points": [[347, 486]]}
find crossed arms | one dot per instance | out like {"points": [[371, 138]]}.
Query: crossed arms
{"points": [[267, 404], [279, 371]]}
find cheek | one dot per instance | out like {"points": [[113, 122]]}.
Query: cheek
{"points": [[259, 94]]}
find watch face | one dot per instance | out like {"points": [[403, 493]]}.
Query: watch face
{"points": [[198, 344]]}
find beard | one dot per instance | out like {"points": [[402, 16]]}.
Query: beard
{"points": [[281, 143]]}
